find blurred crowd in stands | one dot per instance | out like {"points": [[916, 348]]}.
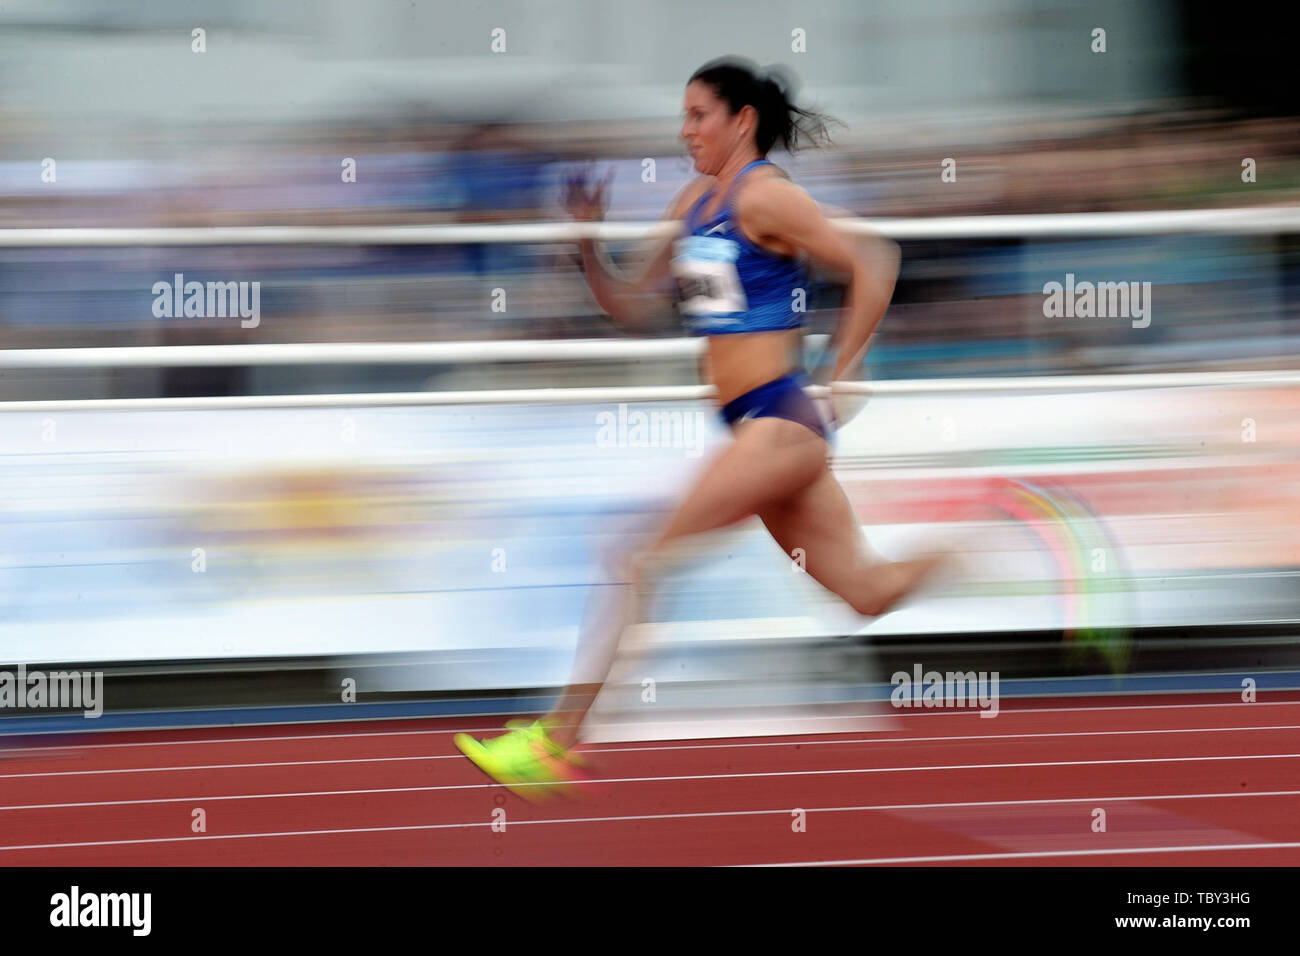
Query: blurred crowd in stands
{"points": [[962, 307]]}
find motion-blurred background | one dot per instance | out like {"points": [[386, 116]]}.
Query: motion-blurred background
{"points": [[470, 531]]}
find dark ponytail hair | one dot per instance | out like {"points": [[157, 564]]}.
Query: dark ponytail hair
{"points": [[739, 83]]}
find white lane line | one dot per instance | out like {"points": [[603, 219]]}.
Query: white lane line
{"points": [[784, 811], [663, 816], [497, 727], [658, 816], [1039, 854], [716, 776], [733, 746], [953, 737]]}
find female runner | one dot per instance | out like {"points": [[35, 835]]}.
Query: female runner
{"points": [[736, 261]]}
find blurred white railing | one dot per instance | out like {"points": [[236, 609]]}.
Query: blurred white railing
{"points": [[1250, 219], [666, 393], [358, 353], [1260, 219]]}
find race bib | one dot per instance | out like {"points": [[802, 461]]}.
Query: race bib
{"points": [[707, 281]]}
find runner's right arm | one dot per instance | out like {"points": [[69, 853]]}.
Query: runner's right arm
{"points": [[637, 301]]}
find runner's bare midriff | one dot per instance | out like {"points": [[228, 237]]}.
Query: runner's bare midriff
{"points": [[741, 362]]}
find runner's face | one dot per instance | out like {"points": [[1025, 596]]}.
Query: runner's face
{"points": [[710, 132]]}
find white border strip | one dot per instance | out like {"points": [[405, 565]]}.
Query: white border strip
{"points": [[355, 353], [518, 396], [575, 350], [1251, 219], [598, 395]]}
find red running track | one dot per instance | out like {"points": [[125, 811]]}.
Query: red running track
{"points": [[1181, 781]]}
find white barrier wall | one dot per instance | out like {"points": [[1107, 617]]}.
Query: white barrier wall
{"points": [[251, 532]]}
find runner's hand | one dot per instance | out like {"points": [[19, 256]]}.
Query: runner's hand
{"points": [[583, 203], [826, 409], [846, 405]]}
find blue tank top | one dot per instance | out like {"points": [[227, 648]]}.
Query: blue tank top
{"points": [[727, 284]]}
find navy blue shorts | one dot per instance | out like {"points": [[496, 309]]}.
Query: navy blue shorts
{"points": [[780, 398]]}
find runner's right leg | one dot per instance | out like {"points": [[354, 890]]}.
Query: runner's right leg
{"points": [[771, 460]]}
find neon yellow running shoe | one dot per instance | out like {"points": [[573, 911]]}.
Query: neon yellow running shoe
{"points": [[539, 731], [525, 760]]}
